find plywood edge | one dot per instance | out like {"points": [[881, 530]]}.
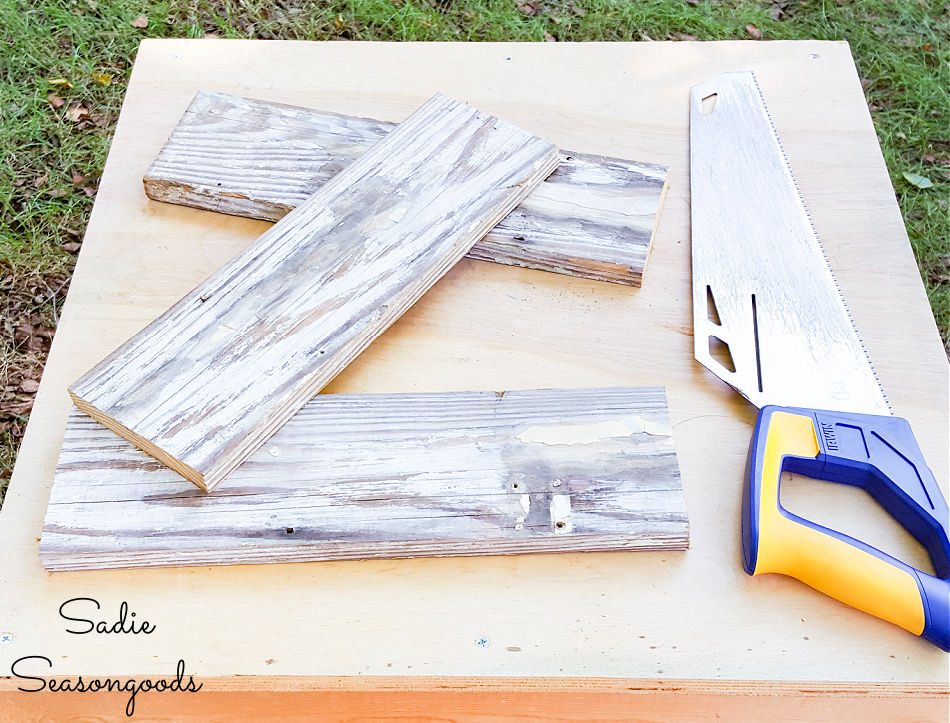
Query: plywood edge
{"points": [[434, 698], [189, 473], [656, 224], [549, 684]]}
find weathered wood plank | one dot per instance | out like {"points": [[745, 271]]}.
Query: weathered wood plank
{"points": [[217, 374], [386, 475], [594, 217]]}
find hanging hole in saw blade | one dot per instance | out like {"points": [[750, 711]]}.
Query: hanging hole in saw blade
{"points": [[755, 338], [712, 313], [708, 103], [853, 512], [719, 351]]}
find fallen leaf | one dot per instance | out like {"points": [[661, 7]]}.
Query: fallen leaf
{"points": [[90, 191], [71, 247], [556, 21], [927, 47], [753, 31], [140, 22], [681, 37], [530, 8], [777, 11], [578, 11], [102, 78], [76, 112], [930, 159], [77, 178], [21, 408], [338, 21], [29, 386], [54, 100], [692, 2], [57, 192], [41, 180], [548, 38], [23, 332], [60, 81], [467, 13], [915, 179]]}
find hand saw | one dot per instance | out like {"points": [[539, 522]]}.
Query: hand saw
{"points": [[763, 290]]}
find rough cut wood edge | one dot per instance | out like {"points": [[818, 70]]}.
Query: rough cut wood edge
{"points": [[594, 217], [386, 476], [211, 379]]}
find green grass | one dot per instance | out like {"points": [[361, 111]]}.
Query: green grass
{"points": [[900, 46]]}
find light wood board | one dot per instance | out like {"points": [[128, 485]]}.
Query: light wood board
{"points": [[355, 476], [673, 627], [217, 374], [593, 217]]}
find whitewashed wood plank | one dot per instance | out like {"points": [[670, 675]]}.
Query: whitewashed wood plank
{"points": [[217, 374], [594, 217], [386, 475]]}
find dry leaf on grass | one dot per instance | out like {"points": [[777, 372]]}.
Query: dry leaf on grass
{"points": [[29, 386], [140, 22], [102, 78], [753, 31], [55, 101], [71, 247], [77, 112]]}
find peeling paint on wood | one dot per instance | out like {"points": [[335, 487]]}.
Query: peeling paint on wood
{"points": [[594, 217], [380, 475], [216, 375]]}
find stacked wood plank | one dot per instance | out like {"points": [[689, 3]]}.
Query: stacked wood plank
{"points": [[386, 475], [594, 217], [216, 375]]}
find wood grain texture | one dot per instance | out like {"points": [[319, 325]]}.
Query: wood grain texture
{"points": [[210, 380], [637, 618], [384, 476], [594, 217]]}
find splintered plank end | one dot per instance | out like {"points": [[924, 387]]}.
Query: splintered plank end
{"points": [[212, 378]]}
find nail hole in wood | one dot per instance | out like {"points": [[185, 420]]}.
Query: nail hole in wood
{"points": [[559, 523], [289, 530], [515, 485], [708, 104]]}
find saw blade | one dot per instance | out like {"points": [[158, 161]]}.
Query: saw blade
{"points": [[768, 316]]}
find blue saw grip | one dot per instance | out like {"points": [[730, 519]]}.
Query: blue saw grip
{"points": [[880, 455]]}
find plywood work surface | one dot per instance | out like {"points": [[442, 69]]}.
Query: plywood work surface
{"points": [[637, 615]]}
